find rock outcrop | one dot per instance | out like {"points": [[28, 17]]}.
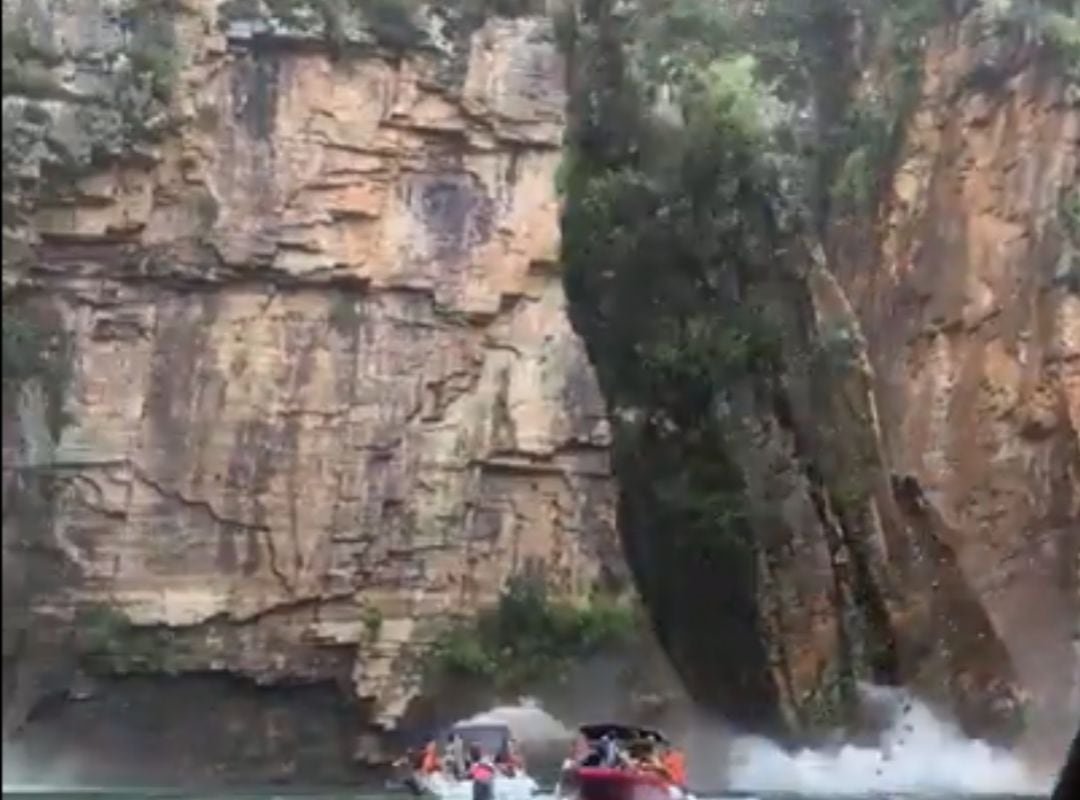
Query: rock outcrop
{"points": [[969, 303], [797, 471], [289, 386], [319, 395]]}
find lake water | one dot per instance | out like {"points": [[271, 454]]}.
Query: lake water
{"points": [[339, 794], [919, 757]]}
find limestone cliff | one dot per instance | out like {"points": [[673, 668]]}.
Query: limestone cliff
{"points": [[969, 301], [837, 489], [319, 394], [290, 385]]}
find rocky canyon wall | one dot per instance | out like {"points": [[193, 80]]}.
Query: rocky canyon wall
{"points": [[969, 302], [868, 513], [315, 394], [290, 385]]}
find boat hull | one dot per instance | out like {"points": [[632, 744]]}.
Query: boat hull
{"points": [[603, 783], [520, 787]]}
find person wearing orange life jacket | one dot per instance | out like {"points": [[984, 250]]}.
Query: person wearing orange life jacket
{"points": [[429, 761], [675, 766]]}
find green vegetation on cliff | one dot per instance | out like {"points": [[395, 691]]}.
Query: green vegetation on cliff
{"points": [[665, 220], [34, 352], [714, 151], [111, 106], [528, 637], [708, 143], [397, 25], [110, 643]]}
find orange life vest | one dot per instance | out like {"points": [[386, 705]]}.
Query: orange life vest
{"points": [[675, 767], [430, 761]]}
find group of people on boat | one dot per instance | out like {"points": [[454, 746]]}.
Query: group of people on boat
{"points": [[647, 754], [464, 762]]}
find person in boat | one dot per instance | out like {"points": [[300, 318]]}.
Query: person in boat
{"points": [[406, 768], [593, 755], [597, 755], [609, 749], [648, 758], [429, 759], [516, 756], [508, 759], [674, 765], [580, 749], [482, 774], [454, 763]]}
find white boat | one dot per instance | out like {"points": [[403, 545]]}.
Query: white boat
{"points": [[490, 739], [446, 787]]}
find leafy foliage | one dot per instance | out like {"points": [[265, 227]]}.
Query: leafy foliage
{"points": [[1060, 31], [1069, 213], [111, 643], [394, 24], [1068, 272], [528, 637], [373, 621], [33, 352], [155, 59], [344, 316], [708, 140], [670, 228]]}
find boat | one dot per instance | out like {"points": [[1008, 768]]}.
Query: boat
{"points": [[509, 783], [615, 762]]}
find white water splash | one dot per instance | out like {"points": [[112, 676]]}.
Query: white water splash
{"points": [[527, 720], [918, 753]]}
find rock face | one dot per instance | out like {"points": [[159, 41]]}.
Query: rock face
{"points": [[827, 554], [971, 310], [320, 395], [296, 387]]}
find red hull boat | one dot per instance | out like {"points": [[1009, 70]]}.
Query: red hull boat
{"points": [[619, 775], [607, 783]]}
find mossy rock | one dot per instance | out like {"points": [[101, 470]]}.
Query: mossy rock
{"points": [[111, 643], [34, 351]]}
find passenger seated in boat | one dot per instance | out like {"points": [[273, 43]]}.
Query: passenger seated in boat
{"points": [[594, 757], [482, 773], [649, 761], [580, 750], [605, 752], [644, 757], [508, 759], [610, 749], [429, 759], [454, 761], [675, 766], [406, 767]]}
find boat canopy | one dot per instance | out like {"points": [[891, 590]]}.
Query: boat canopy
{"points": [[491, 737], [619, 732]]}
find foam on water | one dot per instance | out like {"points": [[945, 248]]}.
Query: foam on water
{"points": [[919, 753]]}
